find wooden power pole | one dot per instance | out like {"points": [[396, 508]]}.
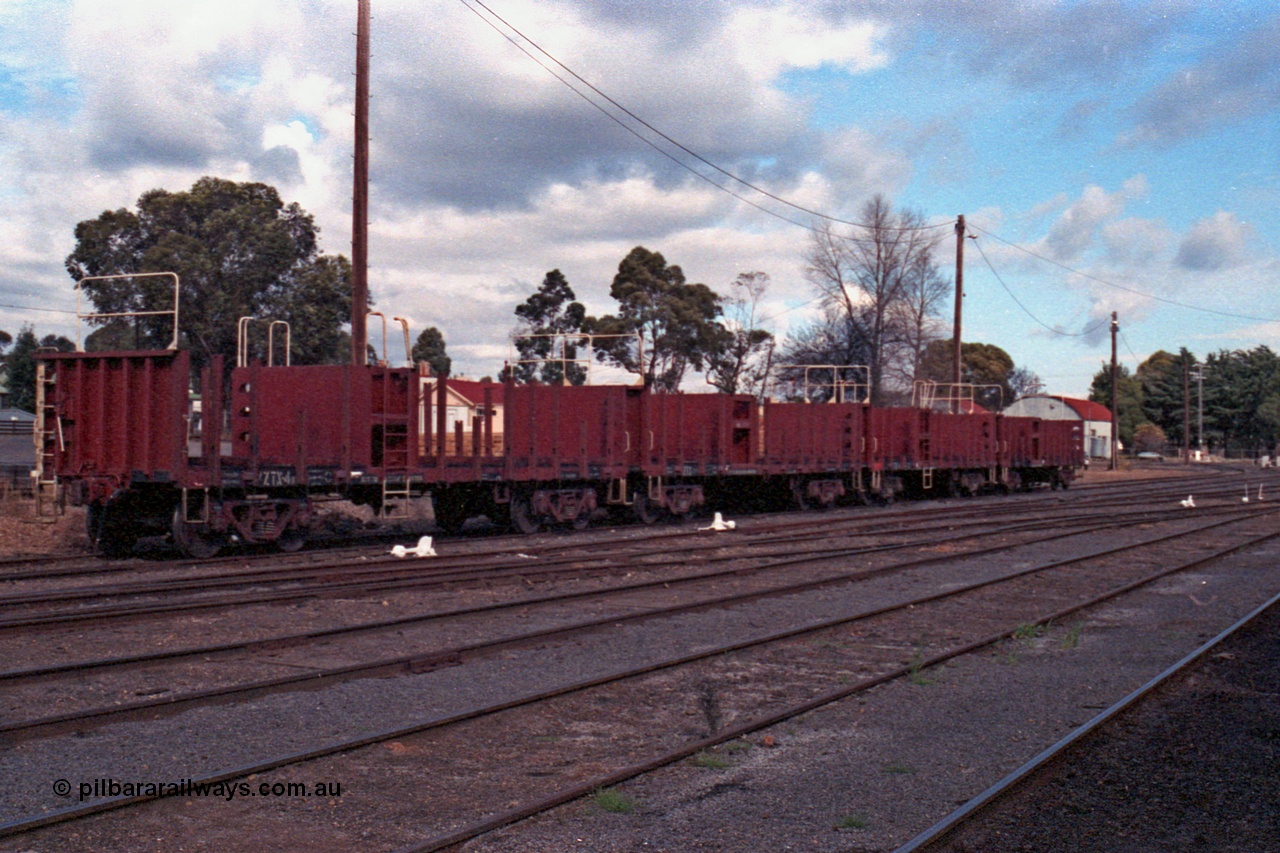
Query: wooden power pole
{"points": [[955, 338], [360, 196]]}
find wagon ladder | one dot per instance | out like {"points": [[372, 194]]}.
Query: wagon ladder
{"points": [[48, 442]]}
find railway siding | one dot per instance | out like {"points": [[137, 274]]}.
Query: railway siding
{"points": [[425, 783]]}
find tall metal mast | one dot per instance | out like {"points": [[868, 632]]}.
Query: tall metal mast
{"points": [[360, 196]]}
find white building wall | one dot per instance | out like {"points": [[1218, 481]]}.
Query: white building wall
{"points": [[1097, 434]]}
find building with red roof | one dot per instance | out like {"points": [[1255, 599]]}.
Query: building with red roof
{"points": [[1095, 418]]}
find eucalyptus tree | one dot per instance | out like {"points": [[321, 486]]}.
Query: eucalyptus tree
{"points": [[238, 250], [664, 325]]}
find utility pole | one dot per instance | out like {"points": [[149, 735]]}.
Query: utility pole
{"points": [[955, 338], [1186, 411], [360, 196], [1198, 376], [1115, 328]]}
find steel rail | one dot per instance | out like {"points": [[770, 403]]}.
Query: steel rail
{"points": [[425, 661], [420, 575], [22, 825], [944, 828], [399, 622], [624, 774]]}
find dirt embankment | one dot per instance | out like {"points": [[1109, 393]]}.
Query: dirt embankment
{"points": [[21, 535]]}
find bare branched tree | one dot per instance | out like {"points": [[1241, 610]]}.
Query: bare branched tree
{"points": [[916, 315], [743, 366], [875, 278]]}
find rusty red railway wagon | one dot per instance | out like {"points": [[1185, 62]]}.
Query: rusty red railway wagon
{"points": [[253, 456]]}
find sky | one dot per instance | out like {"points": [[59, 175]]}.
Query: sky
{"points": [[1107, 155]]}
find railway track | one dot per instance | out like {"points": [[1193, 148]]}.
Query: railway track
{"points": [[319, 569], [340, 551], [902, 617], [1164, 750], [35, 680]]}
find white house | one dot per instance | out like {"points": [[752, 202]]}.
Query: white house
{"points": [[1096, 418]]}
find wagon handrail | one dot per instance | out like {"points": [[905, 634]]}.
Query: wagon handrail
{"points": [[80, 316], [288, 342], [242, 340], [837, 385], [408, 350], [924, 394], [589, 342]]}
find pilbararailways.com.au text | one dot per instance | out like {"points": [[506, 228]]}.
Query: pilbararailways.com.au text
{"points": [[104, 788]]}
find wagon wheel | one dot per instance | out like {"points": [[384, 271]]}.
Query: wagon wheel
{"points": [[645, 511], [522, 517], [450, 515], [954, 487], [799, 499], [291, 540], [109, 533], [582, 520], [194, 542]]}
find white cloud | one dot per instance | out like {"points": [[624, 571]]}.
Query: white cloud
{"points": [[767, 41], [1216, 243], [1075, 230]]}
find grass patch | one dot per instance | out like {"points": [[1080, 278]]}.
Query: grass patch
{"points": [[897, 767], [1028, 631], [853, 821], [613, 801], [1071, 640], [915, 671], [710, 761]]}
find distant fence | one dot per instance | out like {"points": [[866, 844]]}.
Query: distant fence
{"points": [[15, 480]]}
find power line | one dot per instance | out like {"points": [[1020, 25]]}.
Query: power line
{"points": [[1136, 361], [31, 308], [664, 136], [1027, 311], [1134, 291]]}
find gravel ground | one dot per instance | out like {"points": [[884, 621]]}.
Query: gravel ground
{"points": [[196, 742], [1193, 767], [868, 775], [857, 776]]}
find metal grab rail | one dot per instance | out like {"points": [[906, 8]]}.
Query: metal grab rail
{"points": [[242, 341], [177, 291]]}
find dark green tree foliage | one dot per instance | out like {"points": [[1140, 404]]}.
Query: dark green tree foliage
{"points": [[665, 325], [238, 250], [545, 342], [22, 370], [430, 348], [1242, 400], [1129, 413], [22, 365], [1162, 377], [984, 365]]}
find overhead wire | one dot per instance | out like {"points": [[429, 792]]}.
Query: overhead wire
{"points": [[641, 121], [1113, 284], [1136, 361], [33, 308], [781, 200], [1088, 331]]}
